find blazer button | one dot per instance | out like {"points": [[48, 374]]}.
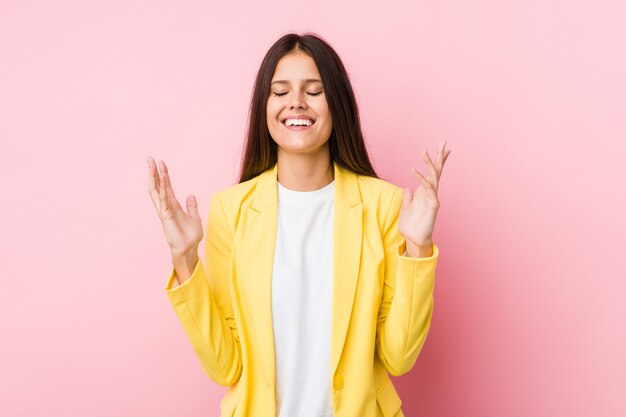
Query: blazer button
{"points": [[338, 382]]}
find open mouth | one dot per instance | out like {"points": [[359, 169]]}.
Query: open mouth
{"points": [[298, 122]]}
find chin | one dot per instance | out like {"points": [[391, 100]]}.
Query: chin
{"points": [[300, 148]]}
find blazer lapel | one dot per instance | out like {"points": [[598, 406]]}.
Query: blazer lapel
{"points": [[260, 243], [347, 237]]}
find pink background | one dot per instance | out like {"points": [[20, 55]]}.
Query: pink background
{"points": [[531, 96]]}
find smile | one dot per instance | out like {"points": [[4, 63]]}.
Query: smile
{"points": [[298, 122]]}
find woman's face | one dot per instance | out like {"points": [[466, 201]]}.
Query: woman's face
{"points": [[296, 94]]}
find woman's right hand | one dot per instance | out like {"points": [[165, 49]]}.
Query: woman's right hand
{"points": [[183, 230]]}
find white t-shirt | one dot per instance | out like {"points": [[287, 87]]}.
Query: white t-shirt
{"points": [[302, 284]]}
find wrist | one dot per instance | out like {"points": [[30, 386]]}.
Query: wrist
{"points": [[419, 251], [188, 253], [185, 261]]}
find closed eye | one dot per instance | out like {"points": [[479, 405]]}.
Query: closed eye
{"points": [[311, 94]]}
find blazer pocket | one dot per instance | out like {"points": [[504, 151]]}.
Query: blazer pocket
{"points": [[388, 400]]}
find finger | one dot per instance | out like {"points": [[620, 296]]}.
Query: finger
{"points": [[440, 158], [432, 193], [192, 206], [434, 174], [167, 184], [156, 175], [163, 206], [445, 158], [173, 204], [407, 196], [152, 189]]}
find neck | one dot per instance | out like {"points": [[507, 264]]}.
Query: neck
{"points": [[305, 172]]}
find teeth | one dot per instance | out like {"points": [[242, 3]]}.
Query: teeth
{"points": [[298, 122]]}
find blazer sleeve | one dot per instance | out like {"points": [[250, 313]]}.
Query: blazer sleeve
{"points": [[407, 302], [203, 305]]}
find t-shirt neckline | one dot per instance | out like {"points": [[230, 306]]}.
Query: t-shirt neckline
{"points": [[306, 197]]}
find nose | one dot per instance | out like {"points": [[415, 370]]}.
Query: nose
{"points": [[297, 100]]}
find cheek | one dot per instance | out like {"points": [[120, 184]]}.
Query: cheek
{"points": [[271, 109], [327, 117], [325, 111]]}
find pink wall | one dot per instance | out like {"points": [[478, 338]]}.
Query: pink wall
{"points": [[530, 95]]}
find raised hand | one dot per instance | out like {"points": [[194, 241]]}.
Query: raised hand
{"points": [[183, 230], [419, 208]]}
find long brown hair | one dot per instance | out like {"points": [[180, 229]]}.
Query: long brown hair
{"points": [[346, 143]]}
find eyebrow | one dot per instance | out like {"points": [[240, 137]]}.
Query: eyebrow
{"points": [[308, 80]]}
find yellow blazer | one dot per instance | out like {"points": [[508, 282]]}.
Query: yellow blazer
{"points": [[381, 308]]}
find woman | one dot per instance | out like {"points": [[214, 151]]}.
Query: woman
{"points": [[318, 276]]}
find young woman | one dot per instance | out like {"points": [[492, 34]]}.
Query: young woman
{"points": [[318, 276]]}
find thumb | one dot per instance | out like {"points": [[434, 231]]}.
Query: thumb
{"points": [[192, 206], [407, 196]]}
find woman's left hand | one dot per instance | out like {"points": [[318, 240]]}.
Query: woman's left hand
{"points": [[419, 208]]}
